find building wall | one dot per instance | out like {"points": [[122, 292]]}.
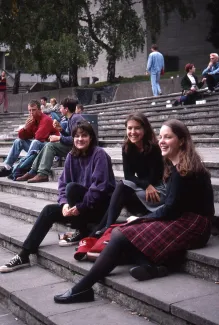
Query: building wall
{"points": [[186, 41]]}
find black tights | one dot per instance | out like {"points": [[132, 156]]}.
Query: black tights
{"points": [[109, 259], [123, 196]]}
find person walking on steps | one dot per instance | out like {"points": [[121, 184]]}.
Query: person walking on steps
{"points": [[155, 67]]}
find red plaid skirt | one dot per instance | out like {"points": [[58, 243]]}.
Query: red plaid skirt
{"points": [[161, 240]]}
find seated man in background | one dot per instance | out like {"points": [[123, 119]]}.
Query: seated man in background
{"points": [[211, 73], [39, 127], [44, 104], [53, 110], [79, 109], [64, 120], [58, 146]]}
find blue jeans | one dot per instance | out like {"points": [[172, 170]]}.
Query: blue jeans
{"points": [[55, 116], [155, 78], [19, 145]]}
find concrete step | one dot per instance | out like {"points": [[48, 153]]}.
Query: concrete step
{"points": [[29, 295], [7, 318], [141, 101], [177, 299]]}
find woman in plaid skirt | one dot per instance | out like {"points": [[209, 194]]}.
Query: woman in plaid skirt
{"points": [[182, 223]]}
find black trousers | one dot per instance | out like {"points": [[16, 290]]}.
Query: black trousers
{"points": [[53, 213], [211, 81], [123, 196]]}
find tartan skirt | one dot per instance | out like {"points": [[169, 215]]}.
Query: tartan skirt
{"points": [[161, 240]]}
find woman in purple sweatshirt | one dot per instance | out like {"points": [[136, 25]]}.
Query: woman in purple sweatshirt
{"points": [[85, 189]]}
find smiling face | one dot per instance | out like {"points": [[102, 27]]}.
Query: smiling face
{"points": [[170, 144], [135, 133], [82, 140]]}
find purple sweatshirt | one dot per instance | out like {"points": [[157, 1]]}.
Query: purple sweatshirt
{"points": [[93, 171]]}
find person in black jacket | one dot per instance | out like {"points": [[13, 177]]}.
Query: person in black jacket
{"points": [[190, 85], [183, 222]]}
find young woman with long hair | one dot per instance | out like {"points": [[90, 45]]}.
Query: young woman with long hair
{"points": [[183, 222], [142, 190]]}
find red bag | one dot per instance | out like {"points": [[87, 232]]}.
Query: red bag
{"points": [[162, 72], [91, 247]]}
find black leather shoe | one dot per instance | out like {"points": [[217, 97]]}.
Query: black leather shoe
{"points": [[69, 298], [4, 172], [148, 272]]}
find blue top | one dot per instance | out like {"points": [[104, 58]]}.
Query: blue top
{"points": [[212, 70], [155, 62], [66, 137], [93, 171]]}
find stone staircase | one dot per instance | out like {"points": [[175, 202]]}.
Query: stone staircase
{"points": [[188, 296]]}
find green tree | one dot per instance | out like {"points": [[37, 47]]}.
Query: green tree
{"points": [[54, 43], [13, 26], [115, 26]]}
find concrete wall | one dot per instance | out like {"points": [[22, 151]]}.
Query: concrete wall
{"points": [[187, 41]]}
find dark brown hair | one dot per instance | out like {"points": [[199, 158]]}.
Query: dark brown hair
{"points": [[86, 127], [149, 137], [80, 106], [69, 103], [154, 47], [189, 159], [189, 66]]}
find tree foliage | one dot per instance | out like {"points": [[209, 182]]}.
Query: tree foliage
{"points": [[52, 37], [115, 26]]}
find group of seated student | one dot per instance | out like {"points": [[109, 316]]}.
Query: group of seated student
{"points": [[50, 139], [191, 85], [167, 186], [53, 108]]}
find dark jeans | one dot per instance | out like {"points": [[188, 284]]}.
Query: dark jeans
{"points": [[212, 81], [53, 213]]}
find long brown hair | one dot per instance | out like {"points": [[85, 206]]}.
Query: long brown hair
{"points": [[149, 137], [189, 159], [87, 128]]}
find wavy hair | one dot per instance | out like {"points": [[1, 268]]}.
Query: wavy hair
{"points": [[189, 160], [149, 138], [86, 127]]}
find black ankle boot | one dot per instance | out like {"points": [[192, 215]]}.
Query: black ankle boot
{"points": [[148, 272]]}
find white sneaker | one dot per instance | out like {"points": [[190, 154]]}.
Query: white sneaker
{"points": [[14, 264]]}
